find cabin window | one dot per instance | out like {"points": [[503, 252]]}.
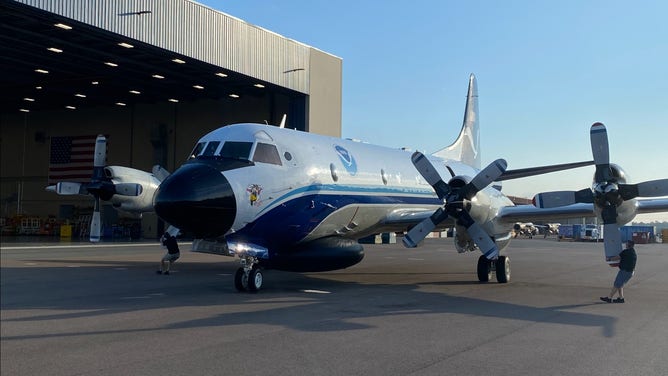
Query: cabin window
{"points": [[266, 153], [197, 149], [211, 148], [236, 150]]}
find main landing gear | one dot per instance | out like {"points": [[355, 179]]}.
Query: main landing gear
{"points": [[501, 266], [249, 276]]}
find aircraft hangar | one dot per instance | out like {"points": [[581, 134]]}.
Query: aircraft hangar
{"points": [[152, 76]]}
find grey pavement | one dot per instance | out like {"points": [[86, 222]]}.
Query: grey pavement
{"points": [[78, 309]]}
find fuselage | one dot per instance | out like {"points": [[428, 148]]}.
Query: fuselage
{"points": [[277, 187]]}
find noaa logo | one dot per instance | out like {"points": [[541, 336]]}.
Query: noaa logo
{"points": [[347, 159]]}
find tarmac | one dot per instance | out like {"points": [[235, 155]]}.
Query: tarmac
{"points": [[82, 309]]}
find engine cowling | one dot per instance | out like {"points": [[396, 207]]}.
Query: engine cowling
{"points": [[141, 203]]}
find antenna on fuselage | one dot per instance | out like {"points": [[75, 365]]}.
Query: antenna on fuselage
{"points": [[282, 125]]}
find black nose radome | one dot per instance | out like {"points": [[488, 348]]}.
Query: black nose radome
{"points": [[197, 198]]}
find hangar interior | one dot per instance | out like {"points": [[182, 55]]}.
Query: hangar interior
{"points": [[153, 77]]}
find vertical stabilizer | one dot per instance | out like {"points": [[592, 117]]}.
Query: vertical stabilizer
{"points": [[467, 146]]}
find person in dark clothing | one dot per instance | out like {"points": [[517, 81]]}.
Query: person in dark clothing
{"points": [[172, 254], [627, 264]]}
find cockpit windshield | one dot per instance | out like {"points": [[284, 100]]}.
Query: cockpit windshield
{"points": [[196, 150], [236, 150]]}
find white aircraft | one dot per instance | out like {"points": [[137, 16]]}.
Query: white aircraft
{"points": [[290, 200]]}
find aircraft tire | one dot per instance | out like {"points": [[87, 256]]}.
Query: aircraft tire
{"points": [[503, 269], [254, 280], [239, 280], [484, 269]]}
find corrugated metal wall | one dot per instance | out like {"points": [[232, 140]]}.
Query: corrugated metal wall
{"points": [[194, 30]]}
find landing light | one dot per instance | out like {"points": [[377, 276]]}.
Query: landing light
{"points": [[109, 63], [43, 71], [54, 49]]}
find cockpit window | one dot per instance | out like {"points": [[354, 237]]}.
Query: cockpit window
{"points": [[211, 148], [236, 150], [196, 150], [266, 153]]}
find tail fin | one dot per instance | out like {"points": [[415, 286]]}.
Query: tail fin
{"points": [[467, 146]]}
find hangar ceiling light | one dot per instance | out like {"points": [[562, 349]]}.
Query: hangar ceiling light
{"points": [[29, 38]]}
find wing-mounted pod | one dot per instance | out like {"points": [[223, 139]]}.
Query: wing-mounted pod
{"points": [[612, 197], [125, 187]]}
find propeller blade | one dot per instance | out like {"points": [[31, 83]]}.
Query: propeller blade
{"points": [[69, 188], [599, 148], [128, 189], [652, 188], [95, 222], [612, 241], [420, 231], [562, 198], [485, 177], [479, 236], [159, 172], [100, 158], [429, 173]]}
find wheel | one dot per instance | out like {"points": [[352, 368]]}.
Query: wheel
{"points": [[484, 269], [254, 280], [240, 282], [503, 269]]}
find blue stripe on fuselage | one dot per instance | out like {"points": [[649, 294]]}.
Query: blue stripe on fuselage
{"points": [[301, 211]]}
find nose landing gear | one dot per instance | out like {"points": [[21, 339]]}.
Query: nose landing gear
{"points": [[249, 276]]}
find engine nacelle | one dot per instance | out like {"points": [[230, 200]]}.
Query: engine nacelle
{"points": [[142, 203], [608, 192]]}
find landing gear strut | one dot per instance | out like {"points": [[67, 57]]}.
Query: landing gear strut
{"points": [[249, 276], [501, 266]]}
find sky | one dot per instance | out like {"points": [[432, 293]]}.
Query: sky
{"points": [[546, 71]]}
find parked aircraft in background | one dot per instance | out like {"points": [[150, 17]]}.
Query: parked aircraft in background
{"points": [[290, 200], [525, 229]]}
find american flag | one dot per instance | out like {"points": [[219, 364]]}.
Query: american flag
{"points": [[71, 159]]}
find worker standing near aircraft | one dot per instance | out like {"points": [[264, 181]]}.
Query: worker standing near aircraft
{"points": [[173, 254], [627, 264]]}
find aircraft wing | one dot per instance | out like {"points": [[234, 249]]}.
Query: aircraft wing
{"points": [[526, 213], [653, 205], [532, 171], [407, 216]]}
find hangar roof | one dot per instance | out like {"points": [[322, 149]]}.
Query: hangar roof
{"points": [[48, 66]]}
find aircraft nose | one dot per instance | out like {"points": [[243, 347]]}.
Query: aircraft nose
{"points": [[197, 198]]}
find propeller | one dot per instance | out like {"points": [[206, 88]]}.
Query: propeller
{"points": [[100, 187], [455, 196], [607, 193]]}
